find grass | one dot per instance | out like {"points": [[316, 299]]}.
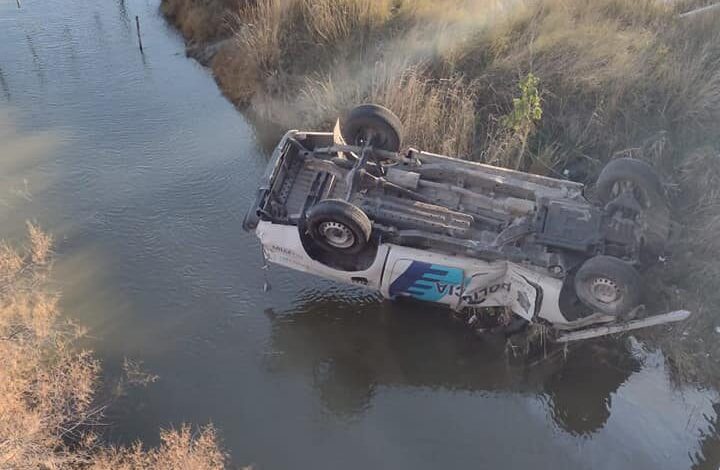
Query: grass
{"points": [[49, 408], [611, 78]]}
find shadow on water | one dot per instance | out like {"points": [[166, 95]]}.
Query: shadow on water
{"points": [[351, 348]]}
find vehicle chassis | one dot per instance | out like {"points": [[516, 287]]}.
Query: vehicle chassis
{"points": [[447, 212]]}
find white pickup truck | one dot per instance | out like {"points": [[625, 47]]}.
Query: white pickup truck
{"points": [[354, 206]]}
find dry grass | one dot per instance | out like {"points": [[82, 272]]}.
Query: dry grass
{"points": [[180, 450], [251, 59], [47, 387], [307, 61], [276, 42], [438, 115], [616, 77], [333, 21], [48, 405], [199, 20]]}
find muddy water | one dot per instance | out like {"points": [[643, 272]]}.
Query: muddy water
{"points": [[143, 171]]}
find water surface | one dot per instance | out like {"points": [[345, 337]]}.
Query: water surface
{"points": [[143, 170]]}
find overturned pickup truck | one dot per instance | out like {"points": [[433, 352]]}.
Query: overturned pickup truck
{"points": [[351, 206]]}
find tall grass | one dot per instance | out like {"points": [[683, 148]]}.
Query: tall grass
{"points": [[49, 410], [200, 20], [446, 106]]}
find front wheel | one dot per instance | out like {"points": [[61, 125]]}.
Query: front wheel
{"points": [[336, 226], [374, 125], [608, 285], [636, 180]]}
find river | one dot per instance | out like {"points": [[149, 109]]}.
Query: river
{"points": [[143, 171]]}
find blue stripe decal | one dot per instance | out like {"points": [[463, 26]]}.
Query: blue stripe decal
{"points": [[426, 281]]}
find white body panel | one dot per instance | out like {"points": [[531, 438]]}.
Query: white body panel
{"points": [[281, 245], [456, 281]]}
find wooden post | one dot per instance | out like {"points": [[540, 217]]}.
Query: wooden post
{"points": [[137, 23], [18, 3]]}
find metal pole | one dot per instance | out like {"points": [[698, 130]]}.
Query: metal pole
{"points": [[678, 315], [137, 23], [704, 9]]}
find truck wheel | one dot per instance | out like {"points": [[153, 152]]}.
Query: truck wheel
{"points": [[639, 178], [372, 124], [608, 285], [336, 226]]}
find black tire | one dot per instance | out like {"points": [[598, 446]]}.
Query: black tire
{"points": [[608, 285], [650, 194], [336, 226], [374, 125], [637, 171]]}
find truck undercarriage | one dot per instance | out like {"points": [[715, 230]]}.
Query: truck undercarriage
{"points": [[352, 192]]}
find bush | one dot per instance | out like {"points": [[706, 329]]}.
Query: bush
{"points": [[48, 404]]}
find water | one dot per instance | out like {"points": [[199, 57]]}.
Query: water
{"points": [[143, 171]]}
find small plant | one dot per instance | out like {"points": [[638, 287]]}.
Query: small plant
{"points": [[527, 109], [526, 112]]}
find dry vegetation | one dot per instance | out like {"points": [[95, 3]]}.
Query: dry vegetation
{"points": [[614, 77], [49, 411]]}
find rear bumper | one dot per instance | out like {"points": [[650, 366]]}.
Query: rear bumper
{"points": [[252, 216]]}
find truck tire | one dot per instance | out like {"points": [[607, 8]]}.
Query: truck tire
{"points": [[372, 124], [608, 285], [639, 177], [337, 226]]}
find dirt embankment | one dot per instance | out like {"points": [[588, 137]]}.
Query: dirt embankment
{"points": [[542, 85], [50, 408]]}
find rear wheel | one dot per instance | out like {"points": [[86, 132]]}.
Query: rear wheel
{"points": [[608, 285], [336, 226], [374, 125], [630, 177]]}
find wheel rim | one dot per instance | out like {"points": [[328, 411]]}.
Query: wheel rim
{"points": [[605, 290], [368, 136], [336, 234], [623, 186]]}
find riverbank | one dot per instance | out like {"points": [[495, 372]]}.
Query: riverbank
{"points": [[50, 408], [550, 86]]}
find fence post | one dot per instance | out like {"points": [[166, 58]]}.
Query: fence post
{"points": [[137, 23]]}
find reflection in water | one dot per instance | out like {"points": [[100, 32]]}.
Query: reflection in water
{"points": [[22, 158], [4, 85], [708, 457], [122, 9], [39, 67], [580, 388], [351, 347], [69, 42], [100, 34]]}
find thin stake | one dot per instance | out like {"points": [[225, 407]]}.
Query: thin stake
{"points": [[137, 23], [18, 3]]}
